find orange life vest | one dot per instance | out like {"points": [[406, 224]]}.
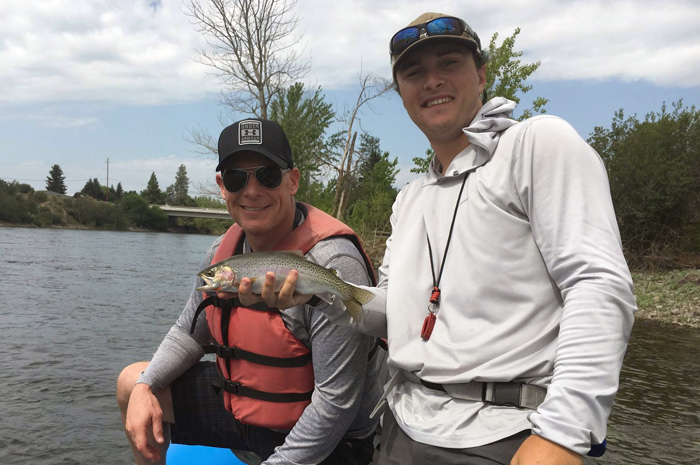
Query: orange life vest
{"points": [[267, 373]]}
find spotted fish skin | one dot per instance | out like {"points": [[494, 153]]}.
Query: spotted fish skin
{"points": [[226, 276]]}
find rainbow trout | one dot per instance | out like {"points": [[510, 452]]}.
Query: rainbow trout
{"points": [[226, 275]]}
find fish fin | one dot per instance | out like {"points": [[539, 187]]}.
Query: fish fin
{"points": [[335, 272], [354, 308], [298, 253], [361, 295], [326, 297], [253, 279], [355, 300]]}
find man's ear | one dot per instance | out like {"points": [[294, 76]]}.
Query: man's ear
{"points": [[220, 183], [294, 176], [482, 78]]}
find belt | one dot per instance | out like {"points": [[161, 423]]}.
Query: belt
{"points": [[519, 395]]}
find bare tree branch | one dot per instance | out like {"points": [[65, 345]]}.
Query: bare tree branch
{"points": [[371, 87], [251, 47], [205, 143]]}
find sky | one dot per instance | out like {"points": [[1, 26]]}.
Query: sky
{"points": [[113, 89]]}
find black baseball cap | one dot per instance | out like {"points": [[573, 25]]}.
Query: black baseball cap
{"points": [[255, 135]]}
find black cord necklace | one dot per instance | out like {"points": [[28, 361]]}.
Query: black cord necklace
{"points": [[434, 305]]}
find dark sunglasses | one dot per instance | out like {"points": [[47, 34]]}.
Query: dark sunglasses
{"points": [[446, 26], [270, 177]]}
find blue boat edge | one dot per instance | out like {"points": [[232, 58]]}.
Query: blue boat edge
{"points": [[180, 454]]}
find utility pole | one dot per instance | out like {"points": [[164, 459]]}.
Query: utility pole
{"points": [[107, 179]]}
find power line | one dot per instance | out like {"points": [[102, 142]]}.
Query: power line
{"points": [[42, 180]]}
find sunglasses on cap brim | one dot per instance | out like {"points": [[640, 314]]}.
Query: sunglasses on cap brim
{"points": [[270, 177], [445, 26]]}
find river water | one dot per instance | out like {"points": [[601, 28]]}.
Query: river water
{"points": [[77, 306]]}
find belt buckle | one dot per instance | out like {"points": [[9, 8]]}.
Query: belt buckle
{"points": [[504, 394]]}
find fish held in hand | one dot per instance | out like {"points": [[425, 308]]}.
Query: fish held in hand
{"points": [[226, 276]]}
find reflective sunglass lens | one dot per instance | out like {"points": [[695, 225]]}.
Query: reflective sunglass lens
{"points": [[404, 38], [269, 177], [443, 26], [436, 27], [235, 180]]}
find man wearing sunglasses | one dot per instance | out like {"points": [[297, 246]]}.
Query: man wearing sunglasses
{"points": [[504, 293], [295, 387]]}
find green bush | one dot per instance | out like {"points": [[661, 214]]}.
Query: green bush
{"points": [[140, 214], [13, 210], [654, 171], [45, 217]]}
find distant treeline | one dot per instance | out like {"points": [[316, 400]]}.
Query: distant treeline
{"points": [[653, 166], [21, 204]]}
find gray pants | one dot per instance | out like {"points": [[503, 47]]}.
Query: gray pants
{"points": [[399, 449]]}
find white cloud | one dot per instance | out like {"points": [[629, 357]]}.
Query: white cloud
{"points": [[648, 40], [125, 51], [653, 40], [140, 51]]}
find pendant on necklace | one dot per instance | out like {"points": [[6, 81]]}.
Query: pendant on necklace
{"points": [[428, 325], [429, 322]]}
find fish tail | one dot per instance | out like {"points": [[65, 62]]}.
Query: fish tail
{"points": [[354, 301], [354, 308], [361, 295]]}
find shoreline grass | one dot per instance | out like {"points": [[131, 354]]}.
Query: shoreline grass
{"points": [[669, 296]]}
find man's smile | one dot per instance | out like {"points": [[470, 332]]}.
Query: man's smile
{"points": [[437, 101], [252, 209]]}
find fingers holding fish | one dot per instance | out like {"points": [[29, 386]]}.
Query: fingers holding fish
{"points": [[271, 293], [245, 292], [268, 290], [281, 279], [266, 293]]}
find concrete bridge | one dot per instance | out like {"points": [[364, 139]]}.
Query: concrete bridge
{"points": [[192, 212]]}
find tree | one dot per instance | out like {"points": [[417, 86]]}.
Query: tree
{"points": [[654, 171], [178, 193], [305, 117], [422, 164], [505, 77], [93, 189], [373, 193], [371, 87], [152, 194], [119, 193], [140, 214], [372, 196], [251, 47], [55, 181]]}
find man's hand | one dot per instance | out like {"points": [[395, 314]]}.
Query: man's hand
{"points": [[537, 450], [285, 298], [144, 412]]}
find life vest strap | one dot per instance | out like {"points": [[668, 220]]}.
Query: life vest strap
{"points": [[227, 303], [237, 353], [239, 390]]}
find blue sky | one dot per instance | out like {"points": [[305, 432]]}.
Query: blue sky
{"points": [[84, 81]]}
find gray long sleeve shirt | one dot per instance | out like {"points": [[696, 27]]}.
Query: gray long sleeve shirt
{"points": [[346, 385]]}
